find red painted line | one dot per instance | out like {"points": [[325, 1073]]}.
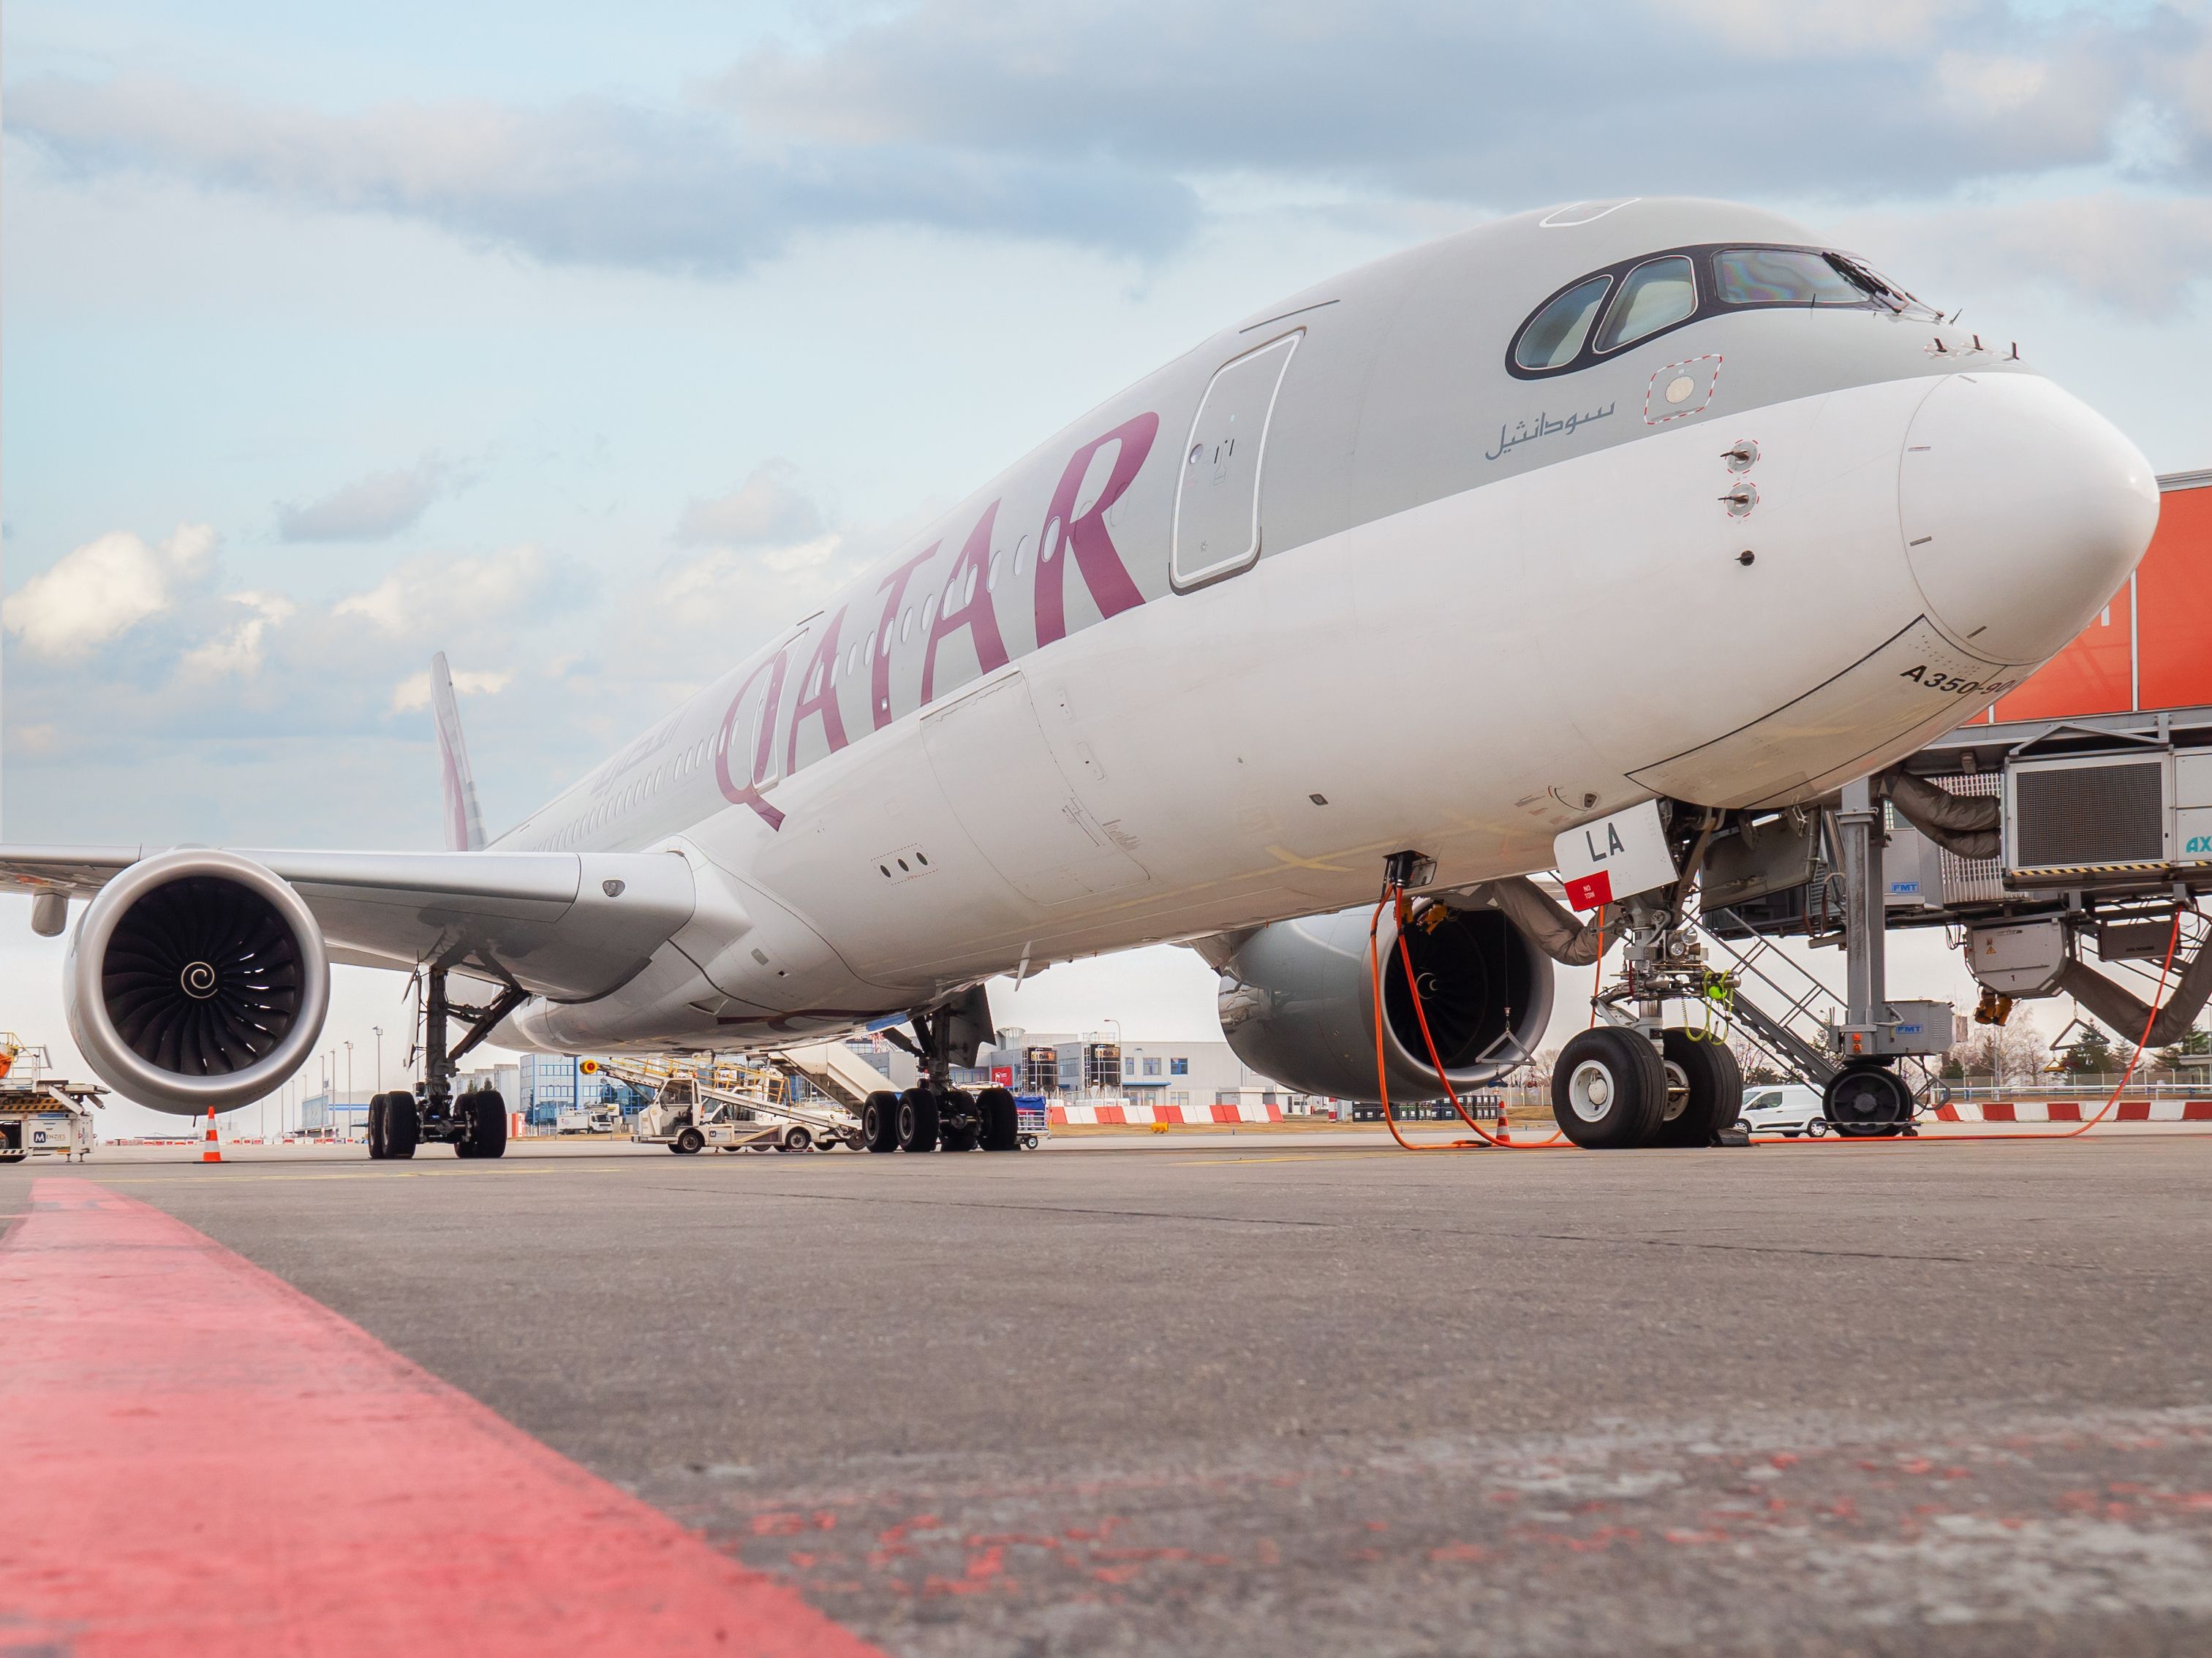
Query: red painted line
{"points": [[199, 1458]]}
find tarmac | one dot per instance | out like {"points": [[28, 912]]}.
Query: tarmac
{"points": [[1287, 1394]]}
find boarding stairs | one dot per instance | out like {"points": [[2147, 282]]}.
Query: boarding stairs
{"points": [[1769, 999], [833, 1068]]}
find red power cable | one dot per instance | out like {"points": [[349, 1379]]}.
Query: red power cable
{"points": [[1413, 988]]}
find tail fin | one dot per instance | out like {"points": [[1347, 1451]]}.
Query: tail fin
{"points": [[464, 829]]}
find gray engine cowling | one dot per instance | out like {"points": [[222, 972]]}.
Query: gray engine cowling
{"points": [[1297, 1000], [197, 980]]}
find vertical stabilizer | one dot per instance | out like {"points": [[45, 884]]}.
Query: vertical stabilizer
{"points": [[464, 829]]}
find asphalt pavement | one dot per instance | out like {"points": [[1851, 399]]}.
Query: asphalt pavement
{"points": [[1186, 1396]]}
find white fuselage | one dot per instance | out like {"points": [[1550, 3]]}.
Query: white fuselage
{"points": [[1442, 640]]}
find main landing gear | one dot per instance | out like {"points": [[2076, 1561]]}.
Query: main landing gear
{"points": [[473, 1123], [933, 1115], [1631, 1082]]}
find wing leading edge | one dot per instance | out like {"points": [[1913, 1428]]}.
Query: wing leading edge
{"points": [[562, 925]]}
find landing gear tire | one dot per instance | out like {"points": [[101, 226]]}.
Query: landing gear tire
{"points": [[917, 1121], [960, 1128], [1608, 1089], [485, 1113], [879, 1122], [1867, 1101], [690, 1142], [402, 1125], [376, 1109], [1712, 1090], [1002, 1119]]}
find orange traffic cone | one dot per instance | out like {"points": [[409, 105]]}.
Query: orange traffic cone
{"points": [[1504, 1135], [211, 1150]]}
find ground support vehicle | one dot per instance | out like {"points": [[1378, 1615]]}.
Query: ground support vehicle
{"points": [[729, 1107], [42, 1116], [1033, 1117], [1789, 1110], [49, 1118]]}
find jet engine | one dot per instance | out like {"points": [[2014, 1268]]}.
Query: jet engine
{"points": [[197, 980], [1297, 1002]]}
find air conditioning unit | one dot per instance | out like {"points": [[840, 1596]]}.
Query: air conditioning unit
{"points": [[2137, 811]]}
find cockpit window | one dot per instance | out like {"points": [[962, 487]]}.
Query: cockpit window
{"points": [[1657, 292], [1782, 275], [1676, 287], [1554, 335]]}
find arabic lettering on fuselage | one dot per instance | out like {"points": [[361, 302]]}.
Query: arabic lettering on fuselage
{"points": [[1542, 427]]}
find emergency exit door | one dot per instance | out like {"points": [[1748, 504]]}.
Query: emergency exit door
{"points": [[1217, 519]]}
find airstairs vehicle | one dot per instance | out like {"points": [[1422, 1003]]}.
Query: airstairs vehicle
{"points": [[729, 1108]]}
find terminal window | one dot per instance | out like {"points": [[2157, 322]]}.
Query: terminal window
{"points": [[1178, 1067]]}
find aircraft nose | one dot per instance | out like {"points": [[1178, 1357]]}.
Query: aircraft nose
{"points": [[2023, 511]]}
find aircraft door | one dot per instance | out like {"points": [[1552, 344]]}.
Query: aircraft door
{"points": [[1217, 518]]}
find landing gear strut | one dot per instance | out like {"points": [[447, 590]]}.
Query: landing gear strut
{"points": [[473, 1123], [933, 1114]]}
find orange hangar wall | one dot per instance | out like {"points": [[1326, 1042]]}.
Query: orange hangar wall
{"points": [[2151, 647]]}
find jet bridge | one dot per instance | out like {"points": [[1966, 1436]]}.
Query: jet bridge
{"points": [[2072, 818]]}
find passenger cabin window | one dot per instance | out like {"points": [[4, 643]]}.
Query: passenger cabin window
{"points": [[1555, 338], [1782, 275], [1657, 292]]}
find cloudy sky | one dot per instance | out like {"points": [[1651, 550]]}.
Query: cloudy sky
{"points": [[591, 345]]}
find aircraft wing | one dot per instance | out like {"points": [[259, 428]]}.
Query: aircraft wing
{"points": [[568, 925]]}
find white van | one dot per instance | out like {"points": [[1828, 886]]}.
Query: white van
{"points": [[1786, 1108]]}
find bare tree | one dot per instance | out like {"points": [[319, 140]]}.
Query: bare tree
{"points": [[2008, 1054]]}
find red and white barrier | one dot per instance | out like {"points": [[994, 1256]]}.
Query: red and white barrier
{"points": [[1130, 1111], [2075, 1111]]}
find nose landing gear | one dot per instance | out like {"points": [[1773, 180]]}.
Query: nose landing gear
{"points": [[1632, 1081]]}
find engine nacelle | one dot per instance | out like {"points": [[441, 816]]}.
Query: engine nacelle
{"points": [[197, 980], [1297, 1002]]}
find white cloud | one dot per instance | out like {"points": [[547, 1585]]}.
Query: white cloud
{"points": [[368, 509], [426, 598], [413, 691], [103, 589], [236, 652], [768, 506], [588, 180], [2141, 257], [1793, 28]]}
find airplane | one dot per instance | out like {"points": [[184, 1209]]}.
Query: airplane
{"points": [[1666, 506]]}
